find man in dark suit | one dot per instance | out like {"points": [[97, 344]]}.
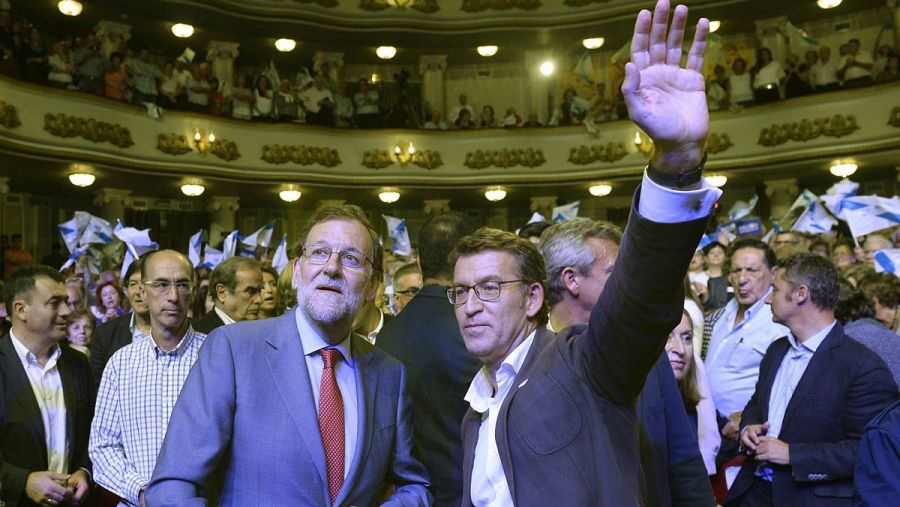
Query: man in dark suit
{"points": [[44, 438], [817, 391], [579, 256], [426, 339], [123, 330], [552, 417], [297, 410], [236, 286]]}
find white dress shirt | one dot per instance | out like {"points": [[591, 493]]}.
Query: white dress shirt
{"points": [[824, 73], [48, 390], [226, 319]]}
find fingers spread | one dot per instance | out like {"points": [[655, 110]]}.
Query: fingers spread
{"points": [[676, 35], [698, 47], [640, 41], [658, 29]]}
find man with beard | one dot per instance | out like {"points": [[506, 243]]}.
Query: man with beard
{"points": [[296, 410]]}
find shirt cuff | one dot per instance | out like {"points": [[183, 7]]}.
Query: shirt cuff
{"points": [[668, 206]]}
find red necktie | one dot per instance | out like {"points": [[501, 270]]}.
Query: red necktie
{"points": [[331, 422]]}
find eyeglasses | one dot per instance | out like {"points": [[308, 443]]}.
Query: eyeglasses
{"points": [[163, 287], [486, 291], [347, 258]]}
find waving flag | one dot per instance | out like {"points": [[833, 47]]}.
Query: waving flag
{"points": [[140, 238], [262, 237], [840, 190], [565, 212], [229, 245], [212, 257], [536, 217], [72, 230], [815, 220], [280, 259], [76, 253], [742, 209], [194, 245], [97, 231], [888, 261], [883, 213], [400, 244]]}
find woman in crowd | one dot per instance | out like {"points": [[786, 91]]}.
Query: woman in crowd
{"points": [[697, 275], [768, 75], [739, 87], [487, 117], [856, 312], [269, 293], [262, 100], [168, 86], [717, 286], [842, 255], [80, 331], [464, 121], [115, 77], [109, 302]]}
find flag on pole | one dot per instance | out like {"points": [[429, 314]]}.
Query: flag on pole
{"points": [[888, 261], [565, 212], [72, 230], [536, 217], [262, 237], [194, 245], [741, 209], [138, 238], [856, 202], [130, 256], [840, 190], [814, 220], [97, 231], [584, 69], [280, 259], [883, 214], [76, 253], [212, 257], [400, 244], [229, 245]]}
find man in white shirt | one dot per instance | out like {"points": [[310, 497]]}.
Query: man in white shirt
{"points": [[45, 398], [825, 72], [318, 103], [463, 104], [552, 417], [236, 286], [856, 67]]}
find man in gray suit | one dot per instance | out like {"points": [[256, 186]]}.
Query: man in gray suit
{"points": [[296, 410]]}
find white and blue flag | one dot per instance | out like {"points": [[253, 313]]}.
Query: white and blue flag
{"points": [[97, 230], [883, 213], [565, 212], [741, 209], [280, 259], [262, 237], [72, 230], [194, 246], [888, 261], [212, 257], [814, 220], [138, 238], [229, 245], [400, 244], [76, 253], [840, 190]]}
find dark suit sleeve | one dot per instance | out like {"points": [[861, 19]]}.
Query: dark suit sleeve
{"points": [[102, 349], [877, 476], [641, 303], [199, 430], [406, 473], [869, 392]]}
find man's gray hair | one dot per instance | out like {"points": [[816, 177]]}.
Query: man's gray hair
{"points": [[565, 245]]}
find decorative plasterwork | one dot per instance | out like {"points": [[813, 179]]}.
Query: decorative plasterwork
{"points": [[225, 149], [172, 144], [609, 152], [9, 117], [426, 6], [717, 143], [499, 5], [322, 3], [805, 130], [894, 120], [62, 125], [303, 155], [528, 157], [376, 159], [427, 159]]}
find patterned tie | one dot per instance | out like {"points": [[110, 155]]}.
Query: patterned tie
{"points": [[331, 422]]}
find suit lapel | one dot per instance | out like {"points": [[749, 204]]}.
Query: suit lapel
{"points": [[287, 365], [67, 378], [22, 393], [366, 390], [766, 393], [471, 422], [817, 368]]}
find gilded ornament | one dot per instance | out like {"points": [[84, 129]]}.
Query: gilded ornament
{"points": [[499, 5], [806, 130], [528, 157], [427, 159], [717, 143], [376, 159], [322, 3], [172, 144], [9, 117], [225, 149], [609, 152], [894, 120], [62, 125], [303, 155], [426, 6]]}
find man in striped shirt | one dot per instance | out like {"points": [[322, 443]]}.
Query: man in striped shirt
{"points": [[142, 381]]}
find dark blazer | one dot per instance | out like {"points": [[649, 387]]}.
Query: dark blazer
{"points": [[247, 408], [207, 323], [878, 468], [842, 389], [566, 431], [22, 438], [108, 338], [425, 337]]}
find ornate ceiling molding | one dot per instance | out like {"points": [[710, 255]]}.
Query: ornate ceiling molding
{"points": [[481, 159], [63, 125], [376, 159], [9, 117], [609, 152], [717, 143], [282, 154], [321, 3], [225, 149], [499, 5], [426, 6], [805, 130], [172, 144]]}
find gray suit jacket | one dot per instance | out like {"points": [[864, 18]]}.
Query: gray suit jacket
{"points": [[247, 409]]}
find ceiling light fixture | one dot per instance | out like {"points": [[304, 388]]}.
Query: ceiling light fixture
{"points": [[389, 195], [716, 180], [487, 50], [844, 169], [600, 189], [828, 4], [593, 42], [546, 68], [69, 7], [192, 189], [182, 30], [495, 194], [82, 179], [285, 45], [714, 25], [290, 193], [386, 52]]}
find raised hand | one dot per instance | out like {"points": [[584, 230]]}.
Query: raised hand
{"points": [[666, 101]]}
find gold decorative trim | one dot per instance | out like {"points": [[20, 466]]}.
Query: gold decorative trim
{"points": [[717, 143], [499, 5], [426, 6], [62, 125], [894, 119], [322, 3], [376, 159], [172, 144], [9, 117], [528, 157], [427, 159], [805, 130], [610, 152], [282, 154], [225, 149]]}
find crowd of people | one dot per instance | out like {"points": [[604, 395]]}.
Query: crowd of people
{"points": [[574, 362]]}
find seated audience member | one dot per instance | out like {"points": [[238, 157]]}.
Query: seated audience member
{"points": [[532, 232], [242, 98], [890, 72], [435, 122], [464, 121], [816, 393], [856, 66], [318, 103], [168, 86], [343, 107], [61, 69], [739, 84], [263, 109], [487, 119], [269, 293], [533, 121], [856, 313], [115, 78], [768, 76], [463, 105], [198, 89], [366, 101], [109, 302], [825, 72], [286, 107], [80, 330], [407, 282], [511, 119], [717, 90]]}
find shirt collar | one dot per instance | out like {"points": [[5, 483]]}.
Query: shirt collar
{"points": [[812, 343], [27, 357], [178, 350], [224, 316], [755, 307], [481, 391], [135, 330], [313, 342]]}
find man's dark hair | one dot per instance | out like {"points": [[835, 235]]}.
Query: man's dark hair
{"points": [[884, 288], [768, 254], [818, 274], [709, 246], [348, 213], [136, 265], [437, 238], [266, 268], [22, 282], [226, 272], [852, 304], [534, 229]]}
